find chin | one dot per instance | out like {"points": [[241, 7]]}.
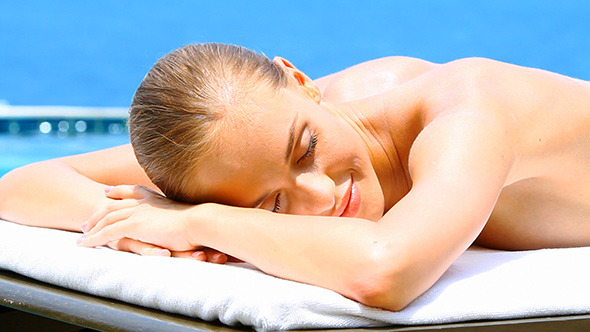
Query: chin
{"points": [[372, 213], [374, 208], [376, 217]]}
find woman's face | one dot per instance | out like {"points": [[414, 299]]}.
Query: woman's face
{"points": [[288, 154]]}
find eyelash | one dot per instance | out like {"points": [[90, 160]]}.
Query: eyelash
{"points": [[277, 206], [313, 140]]}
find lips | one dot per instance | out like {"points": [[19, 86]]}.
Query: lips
{"points": [[351, 201]]}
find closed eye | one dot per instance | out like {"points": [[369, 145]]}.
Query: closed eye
{"points": [[277, 206], [313, 140]]}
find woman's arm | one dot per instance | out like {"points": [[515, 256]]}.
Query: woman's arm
{"points": [[63, 193], [459, 164]]}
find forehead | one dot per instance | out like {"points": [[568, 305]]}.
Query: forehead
{"points": [[248, 150], [259, 124]]}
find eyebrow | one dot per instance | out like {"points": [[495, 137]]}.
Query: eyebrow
{"points": [[288, 154], [291, 143]]}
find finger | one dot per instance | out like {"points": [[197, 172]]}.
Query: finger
{"points": [[120, 192], [99, 239], [113, 232], [205, 255], [109, 207], [198, 255], [214, 256], [128, 191], [138, 247], [109, 219]]}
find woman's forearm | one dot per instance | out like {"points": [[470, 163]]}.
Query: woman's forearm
{"points": [[49, 194], [342, 254], [385, 264]]}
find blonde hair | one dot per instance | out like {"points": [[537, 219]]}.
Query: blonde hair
{"points": [[172, 116]]}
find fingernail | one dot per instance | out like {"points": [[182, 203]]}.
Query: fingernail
{"points": [[107, 189], [81, 239], [163, 252], [198, 255], [83, 227]]}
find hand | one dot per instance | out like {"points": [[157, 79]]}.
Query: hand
{"points": [[146, 249], [139, 220]]}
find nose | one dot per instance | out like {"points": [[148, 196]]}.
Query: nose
{"points": [[314, 194]]}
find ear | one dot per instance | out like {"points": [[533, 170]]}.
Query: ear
{"points": [[304, 82]]}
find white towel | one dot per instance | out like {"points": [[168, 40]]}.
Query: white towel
{"points": [[481, 284]]}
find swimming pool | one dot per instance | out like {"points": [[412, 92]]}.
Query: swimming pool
{"points": [[19, 150], [33, 133]]}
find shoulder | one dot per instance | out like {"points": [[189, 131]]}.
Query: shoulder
{"points": [[479, 73], [371, 77], [468, 119], [470, 85]]}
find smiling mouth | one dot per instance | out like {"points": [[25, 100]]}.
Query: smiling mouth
{"points": [[350, 204]]}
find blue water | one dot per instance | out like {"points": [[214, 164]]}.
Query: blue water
{"points": [[94, 53], [17, 151]]}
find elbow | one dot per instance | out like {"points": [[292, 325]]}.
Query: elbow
{"points": [[11, 190], [385, 283], [3, 193], [8, 186], [387, 295]]}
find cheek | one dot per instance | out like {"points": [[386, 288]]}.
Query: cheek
{"points": [[343, 138], [342, 150], [340, 153]]}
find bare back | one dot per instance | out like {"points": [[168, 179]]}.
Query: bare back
{"points": [[545, 201], [546, 198]]}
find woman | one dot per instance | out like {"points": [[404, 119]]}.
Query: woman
{"points": [[380, 175]]}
